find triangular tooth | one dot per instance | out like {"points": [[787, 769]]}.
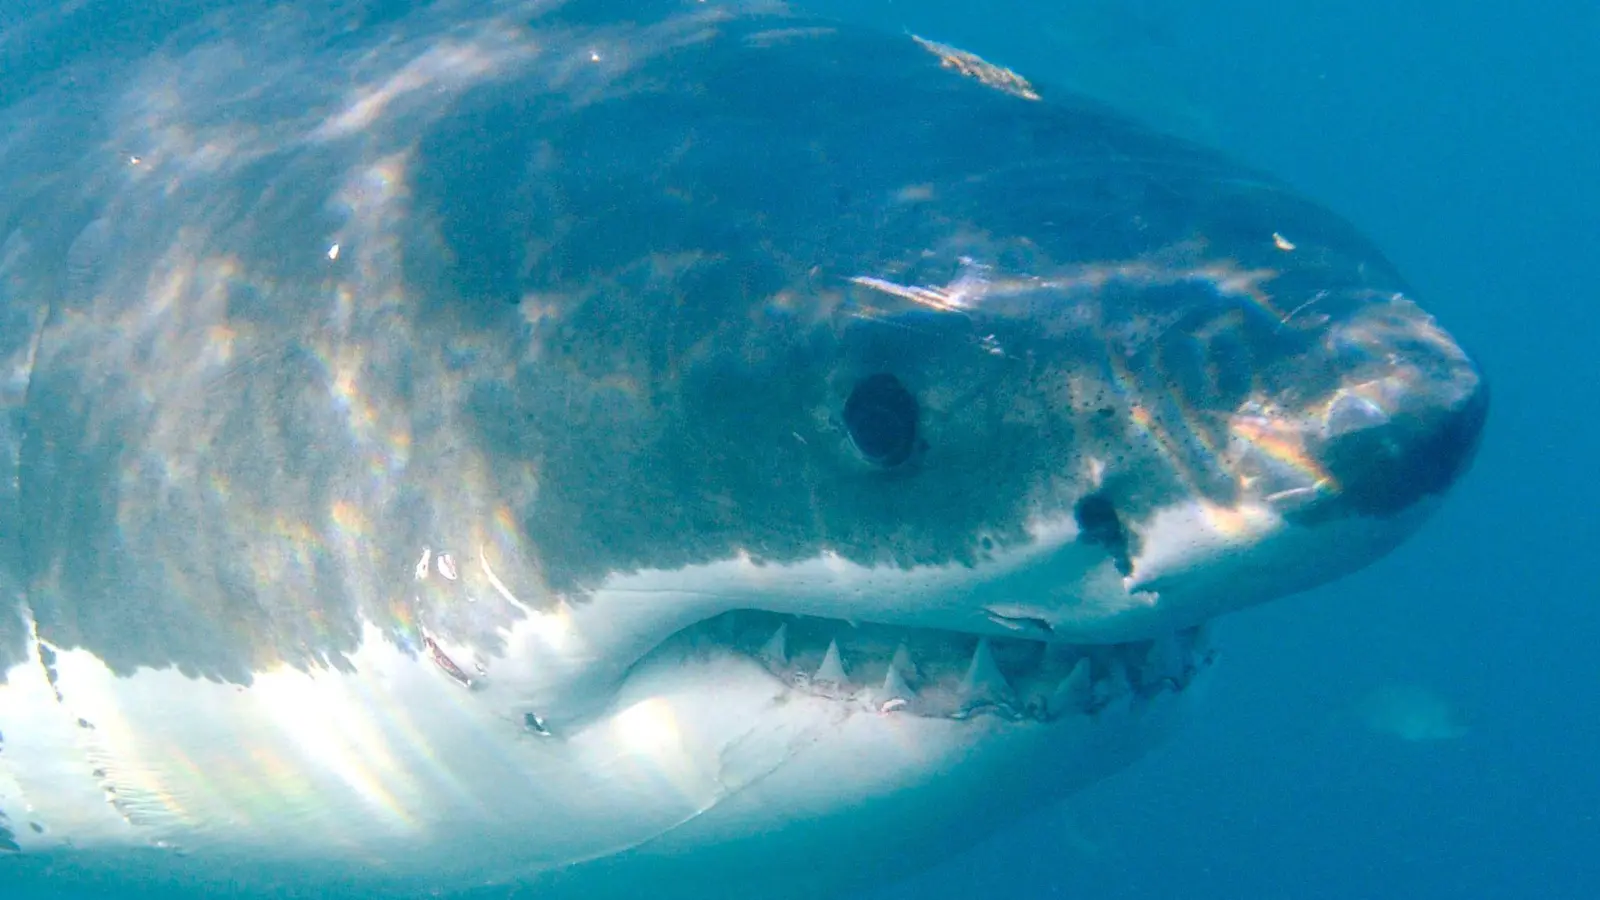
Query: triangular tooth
{"points": [[1074, 692], [832, 669], [775, 651], [984, 680], [894, 693], [902, 663], [894, 685]]}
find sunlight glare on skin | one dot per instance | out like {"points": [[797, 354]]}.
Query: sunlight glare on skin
{"points": [[1280, 441], [649, 736], [444, 66], [335, 731], [1239, 522], [554, 627], [648, 728], [1185, 535], [89, 684]]}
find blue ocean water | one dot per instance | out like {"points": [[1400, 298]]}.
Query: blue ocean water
{"points": [[1429, 727]]}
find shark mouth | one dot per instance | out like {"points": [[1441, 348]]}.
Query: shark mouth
{"points": [[953, 675]]}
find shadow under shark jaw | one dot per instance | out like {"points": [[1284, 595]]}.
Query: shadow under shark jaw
{"points": [[939, 674]]}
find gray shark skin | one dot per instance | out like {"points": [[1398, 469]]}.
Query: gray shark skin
{"points": [[578, 449]]}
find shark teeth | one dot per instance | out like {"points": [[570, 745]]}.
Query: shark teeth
{"points": [[1074, 693], [831, 672], [775, 652], [902, 661], [895, 694], [984, 683], [930, 673]]}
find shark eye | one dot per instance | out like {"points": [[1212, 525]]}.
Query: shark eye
{"points": [[881, 416]]}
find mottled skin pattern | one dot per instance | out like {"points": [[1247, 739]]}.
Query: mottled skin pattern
{"points": [[607, 337]]}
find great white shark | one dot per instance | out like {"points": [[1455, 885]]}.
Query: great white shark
{"points": [[660, 449]]}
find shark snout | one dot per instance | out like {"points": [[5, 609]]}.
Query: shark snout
{"points": [[1390, 442]]}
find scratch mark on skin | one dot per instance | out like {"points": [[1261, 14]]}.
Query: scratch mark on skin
{"points": [[444, 662], [986, 73]]}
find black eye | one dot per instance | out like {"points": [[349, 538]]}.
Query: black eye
{"points": [[881, 416]]}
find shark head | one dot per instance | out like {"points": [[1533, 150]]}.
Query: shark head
{"points": [[676, 451]]}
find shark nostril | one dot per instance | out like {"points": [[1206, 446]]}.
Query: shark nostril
{"points": [[1098, 523]]}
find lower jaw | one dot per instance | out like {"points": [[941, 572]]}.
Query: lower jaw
{"points": [[952, 675]]}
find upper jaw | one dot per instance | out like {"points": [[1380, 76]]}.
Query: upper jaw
{"points": [[950, 675], [563, 663]]}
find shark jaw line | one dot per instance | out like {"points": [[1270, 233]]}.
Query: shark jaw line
{"points": [[940, 674]]}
